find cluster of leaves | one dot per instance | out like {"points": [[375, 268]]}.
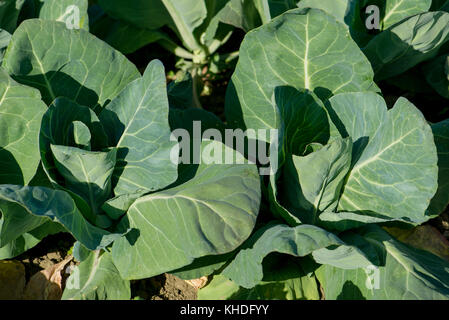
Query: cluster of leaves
{"points": [[348, 165], [85, 147]]}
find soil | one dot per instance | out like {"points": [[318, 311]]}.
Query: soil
{"points": [[442, 223], [50, 251], [55, 248], [163, 287]]}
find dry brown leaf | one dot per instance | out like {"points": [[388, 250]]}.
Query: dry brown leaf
{"points": [[198, 283], [47, 284]]}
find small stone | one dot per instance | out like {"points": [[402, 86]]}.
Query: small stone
{"points": [[12, 280]]}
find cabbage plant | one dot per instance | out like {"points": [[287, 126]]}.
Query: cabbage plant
{"points": [[86, 148], [350, 170]]}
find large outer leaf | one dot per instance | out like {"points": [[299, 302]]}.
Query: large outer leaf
{"points": [[246, 269], [41, 204], [405, 273], [62, 10], [69, 63], [408, 43], [441, 198], [137, 124], [96, 278], [211, 214], [21, 110], [395, 163], [304, 49]]}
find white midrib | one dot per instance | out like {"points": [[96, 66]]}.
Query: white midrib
{"points": [[93, 270], [4, 94], [50, 89], [125, 132], [89, 187], [358, 166], [306, 57], [181, 25], [392, 11]]}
